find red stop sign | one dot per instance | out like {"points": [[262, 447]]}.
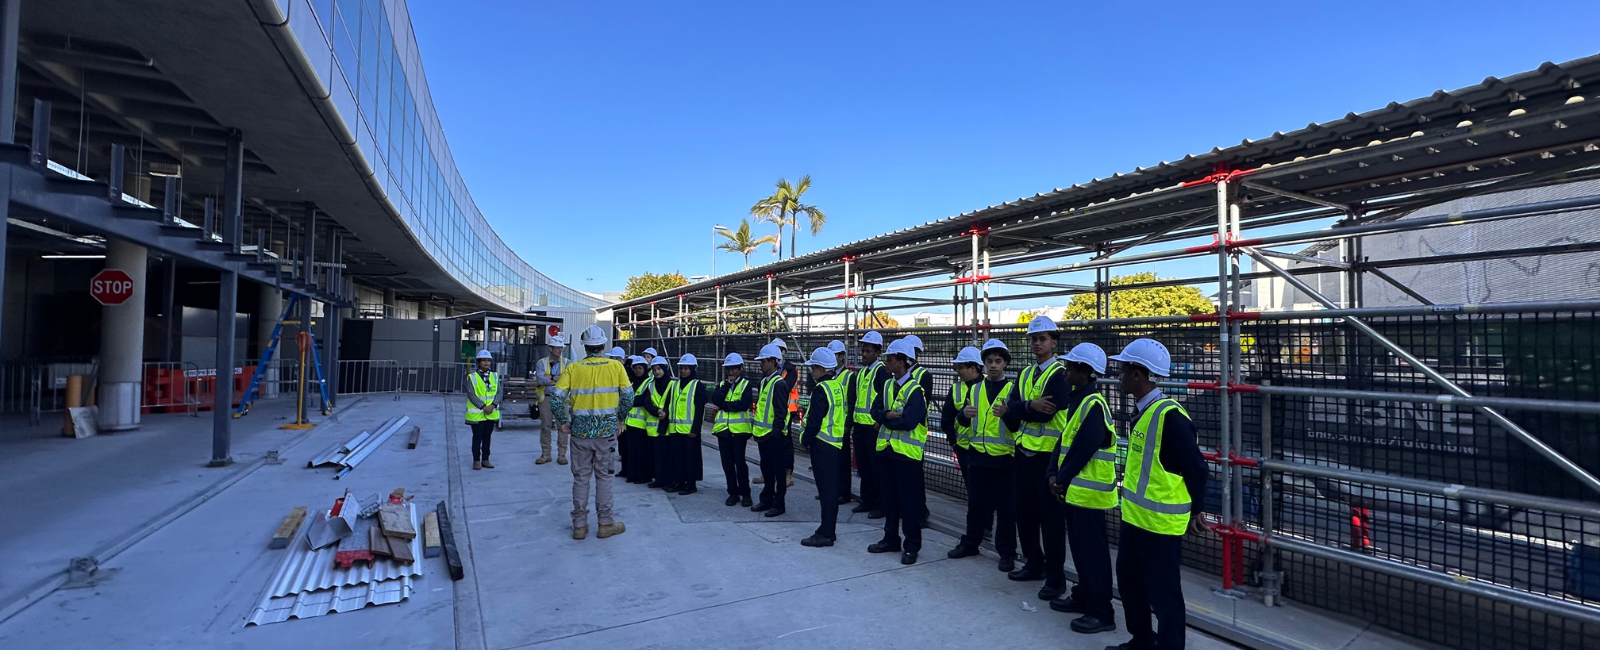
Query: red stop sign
{"points": [[553, 330], [111, 287]]}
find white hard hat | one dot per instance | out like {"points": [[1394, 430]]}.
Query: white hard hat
{"points": [[636, 360], [1089, 353], [914, 340], [836, 346], [594, 335], [968, 354], [733, 360], [650, 351], [995, 343], [1148, 353], [484, 354], [781, 344], [823, 357], [661, 361], [1042, 324], [900, 346], [617, 353], [688, 360], [770, 351], [557, 341], [872, 337]]}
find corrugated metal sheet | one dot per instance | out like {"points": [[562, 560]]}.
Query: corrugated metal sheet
{"points": [[309, 581]]}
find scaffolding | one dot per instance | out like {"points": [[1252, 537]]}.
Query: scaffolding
{"points": [[1388, 462]]}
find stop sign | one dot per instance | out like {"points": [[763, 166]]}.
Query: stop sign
{"points": [[111, 287]]}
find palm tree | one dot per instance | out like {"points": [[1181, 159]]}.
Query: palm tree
{"points": [[740, 241], [783, 208]]}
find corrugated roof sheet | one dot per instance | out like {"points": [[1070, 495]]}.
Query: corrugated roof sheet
{"points": [[1283, 158], [308, 579]]}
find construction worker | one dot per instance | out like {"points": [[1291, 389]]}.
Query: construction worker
{"points": [[484, 391], [731, 425], [546, 373], [791, 374], [637, 460], [846, 376], [1163, 474], [1040, 403], [1085, 480], [649, 355], [654, 402], [865, 392], [826, 416], [619, 354], [977, 411], [686, 411], [590, 401], [925, 378], [769, 422], [903, 414]]}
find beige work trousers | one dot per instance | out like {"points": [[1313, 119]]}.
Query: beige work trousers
{"points": [[547, 425], [592, 458]]}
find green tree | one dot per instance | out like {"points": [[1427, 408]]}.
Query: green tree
{"points": [[877, 320], [740, 241], [1140, 303], [784, 207], [640, 286]]}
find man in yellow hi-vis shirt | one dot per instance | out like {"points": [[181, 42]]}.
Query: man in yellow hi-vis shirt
{"points": [[590, 402]]}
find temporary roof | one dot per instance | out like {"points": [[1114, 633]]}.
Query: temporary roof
{"points": [[1520, 130]]}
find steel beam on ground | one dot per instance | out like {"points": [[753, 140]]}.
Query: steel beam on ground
{"points": [[1539, 446]]}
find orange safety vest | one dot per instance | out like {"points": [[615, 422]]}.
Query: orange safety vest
{"points": [[794, 390]]}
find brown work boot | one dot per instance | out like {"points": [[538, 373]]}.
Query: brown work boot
{"points": [[477, 464], [542, 459], [790, 479], [487, 464], [580, 532], [561, 461], [607, 530]]}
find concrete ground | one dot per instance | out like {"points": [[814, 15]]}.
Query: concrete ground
{"points": [[689, 572]]}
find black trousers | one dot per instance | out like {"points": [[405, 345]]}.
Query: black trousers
{"points": [[639, 453], [731, 447], [903, 500], [864, 439], [1039, 517], [844, 464], [661, 455], [773, 448], [825, 462], [481, 431], [1091, 554], [988, 499], [1147, 571]]}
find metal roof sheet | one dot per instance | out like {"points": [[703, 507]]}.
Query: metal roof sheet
{"points": [[303, 571], [1352, 158], [321, 602]]}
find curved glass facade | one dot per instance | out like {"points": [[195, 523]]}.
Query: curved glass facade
{"points": [[365, 54]]}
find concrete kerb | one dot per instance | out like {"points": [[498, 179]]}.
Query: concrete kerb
{"points": [[1200, 620], [470, 633], [47, 586]]}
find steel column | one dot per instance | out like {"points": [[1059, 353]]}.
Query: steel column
{"points": [[10, 23], [232, 229], [222, 406], [1516, 431], [1225, 413]]}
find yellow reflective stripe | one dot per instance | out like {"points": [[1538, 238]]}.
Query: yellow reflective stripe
{"points": [[1093, 485], [593, 391], [1130, 496]]}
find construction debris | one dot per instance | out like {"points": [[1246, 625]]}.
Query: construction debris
{"points": [[416, 433], [332, 526], [356, 547], [350, 460], [452, 556], [310, 582], [395, 521], [287, 529], [430, 535]]}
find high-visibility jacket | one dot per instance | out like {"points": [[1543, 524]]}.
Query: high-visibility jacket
{"points": [[551, 372], [680, 413], [1153, 498], [485, 390], [794, 386], [961, 394], [641, 418], [988, 433], [833, 423], [1040, 437], [1096, 486], [591, 390], [763, 419], [730, 421], [908, 443], [866, 393]]}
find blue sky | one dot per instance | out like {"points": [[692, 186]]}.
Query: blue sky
{"points": [[604, 139]]}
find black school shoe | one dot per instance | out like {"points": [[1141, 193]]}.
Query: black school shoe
{"points": [[875, 514], [908, 557], [1068, 605], [861, 507], [817, 540], [776, 511], [1051, 592], [733, 500], [688, 489], [884, 546], [1026, 574], [1092, 625], [744, 500], [761, 507], [961, 551]]}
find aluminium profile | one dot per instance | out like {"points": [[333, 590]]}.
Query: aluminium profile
{"points": [[350, 462], [333, 454]]}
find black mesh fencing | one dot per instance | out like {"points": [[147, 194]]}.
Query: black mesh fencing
{"points": [[1532, 355]]}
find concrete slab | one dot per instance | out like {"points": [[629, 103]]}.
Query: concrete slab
{"points": [[192, 583]]}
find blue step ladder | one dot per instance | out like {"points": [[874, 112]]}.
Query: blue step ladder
{"points": [[272, 349]]}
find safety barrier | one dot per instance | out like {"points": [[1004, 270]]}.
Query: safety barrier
{"points": [[173, 386], [1355, 486]]}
